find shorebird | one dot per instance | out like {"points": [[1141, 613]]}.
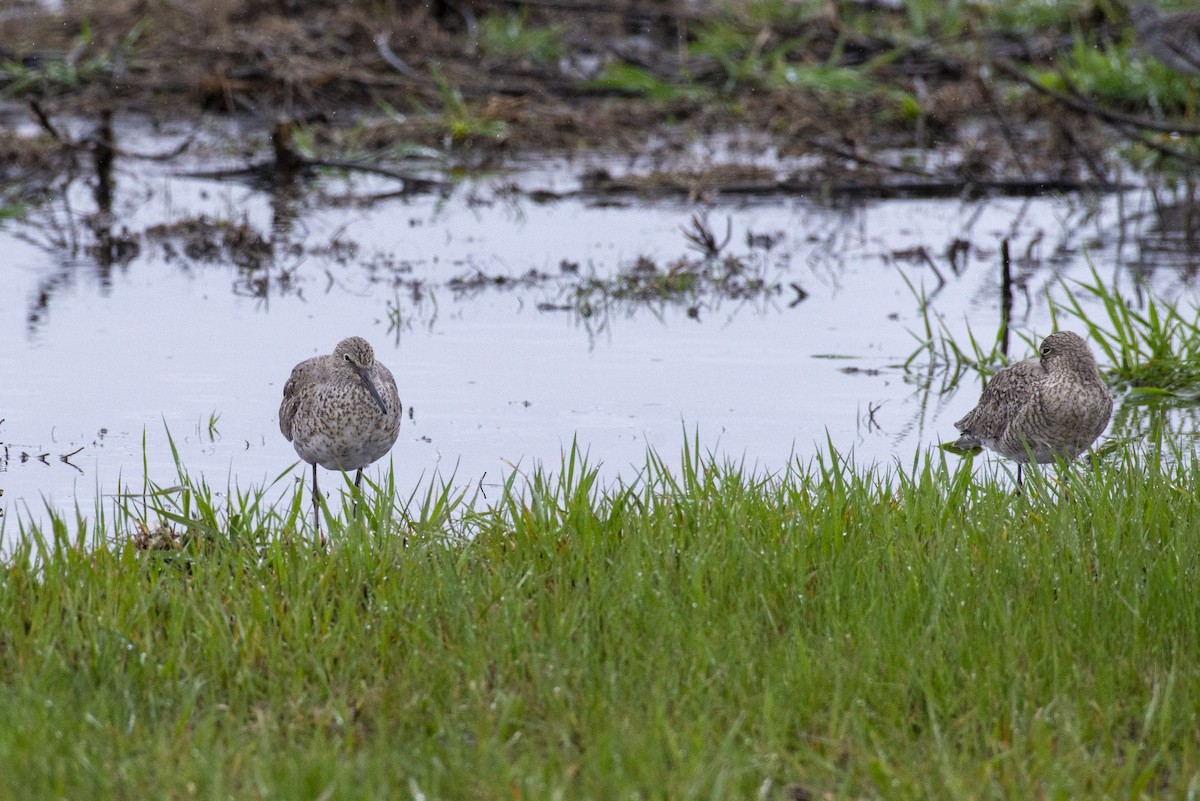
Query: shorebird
{"points": [[340, 411], [1042, 409], [1173, 39]]}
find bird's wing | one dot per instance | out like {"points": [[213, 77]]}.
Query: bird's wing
{"points": [[387, 386], [301, 376], [1002, 398]]}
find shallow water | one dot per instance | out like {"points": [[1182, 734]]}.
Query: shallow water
{"points": [[102, 362]]}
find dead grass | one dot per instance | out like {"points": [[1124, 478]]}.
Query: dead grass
{"points": [[494, 79]]}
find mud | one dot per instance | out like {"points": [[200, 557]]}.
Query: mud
{"points": [[843, 90]]}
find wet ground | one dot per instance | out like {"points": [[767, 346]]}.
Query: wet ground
{"points": [[514, 325], [540, 255]]}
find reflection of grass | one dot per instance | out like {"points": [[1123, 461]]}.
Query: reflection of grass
{"points": [[695, 284], [701, 630], [1152, 419], [939, 351], [645, 281]]}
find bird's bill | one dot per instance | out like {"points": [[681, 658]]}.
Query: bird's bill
{"points": [[370, 385]]}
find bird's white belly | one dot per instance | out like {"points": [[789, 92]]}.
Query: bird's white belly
{"points": [[346, 447]]}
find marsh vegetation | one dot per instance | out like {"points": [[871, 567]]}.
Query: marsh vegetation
{"points": [[819, 627], [826, 631]]}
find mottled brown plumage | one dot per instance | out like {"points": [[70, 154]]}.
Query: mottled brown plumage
{"points": [[340, 411], [1043, 409]]}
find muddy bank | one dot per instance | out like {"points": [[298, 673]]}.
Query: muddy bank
{"points": [[853, 98]]}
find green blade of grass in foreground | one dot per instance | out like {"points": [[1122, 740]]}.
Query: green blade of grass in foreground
{"points": [[700, 631]]}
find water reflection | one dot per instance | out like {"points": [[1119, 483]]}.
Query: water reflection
{"points": [[146, 302], [1158, 420]]}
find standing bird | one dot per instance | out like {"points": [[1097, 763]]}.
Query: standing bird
{"points": [[1044, 409], [340, 411]]}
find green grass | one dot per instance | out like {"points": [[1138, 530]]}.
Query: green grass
{"points": [[461, 121], [746, 55], [1152, 347], [641, 82], [1148, 346], [509, 35], [702, 632], [1121, 77], [81, 65], [1024, 15]]}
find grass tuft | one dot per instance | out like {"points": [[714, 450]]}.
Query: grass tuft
{"points": [[1151, 354], [701, 630], [509, 35]]}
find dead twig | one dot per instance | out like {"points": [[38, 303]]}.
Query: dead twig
{"points": [[288, 163], [394, 61], [412, 183], [102, 138], [1010, 139], [44, 120], [1084, 152], [1084, 106], [850, 155], [702, 238]]}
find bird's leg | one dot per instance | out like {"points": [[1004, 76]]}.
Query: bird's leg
{"points": [[317, 507], [357, 491], [1020, 481]]}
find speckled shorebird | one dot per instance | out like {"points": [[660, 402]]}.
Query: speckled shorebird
{"points": [[1173, 39], [340, 411], [1044, 409]]}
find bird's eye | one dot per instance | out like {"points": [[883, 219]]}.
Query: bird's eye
{"points": [[1046, 350], [346, 356]]}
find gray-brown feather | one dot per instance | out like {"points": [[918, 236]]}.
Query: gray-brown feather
{"points": [[330, 416], [302, 375], [1045, 409], [1002, 398]]}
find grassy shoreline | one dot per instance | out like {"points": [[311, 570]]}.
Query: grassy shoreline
{"points": [[834, 631]]}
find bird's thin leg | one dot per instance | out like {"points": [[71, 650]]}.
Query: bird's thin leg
{"points": [[317, 507], [357, 491], [1020, 482]]}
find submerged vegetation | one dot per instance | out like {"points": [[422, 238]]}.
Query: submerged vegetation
{"points": [[833, 631], [1148, 350]]}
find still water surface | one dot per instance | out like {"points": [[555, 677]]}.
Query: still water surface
{"points": [[104, 362]]}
